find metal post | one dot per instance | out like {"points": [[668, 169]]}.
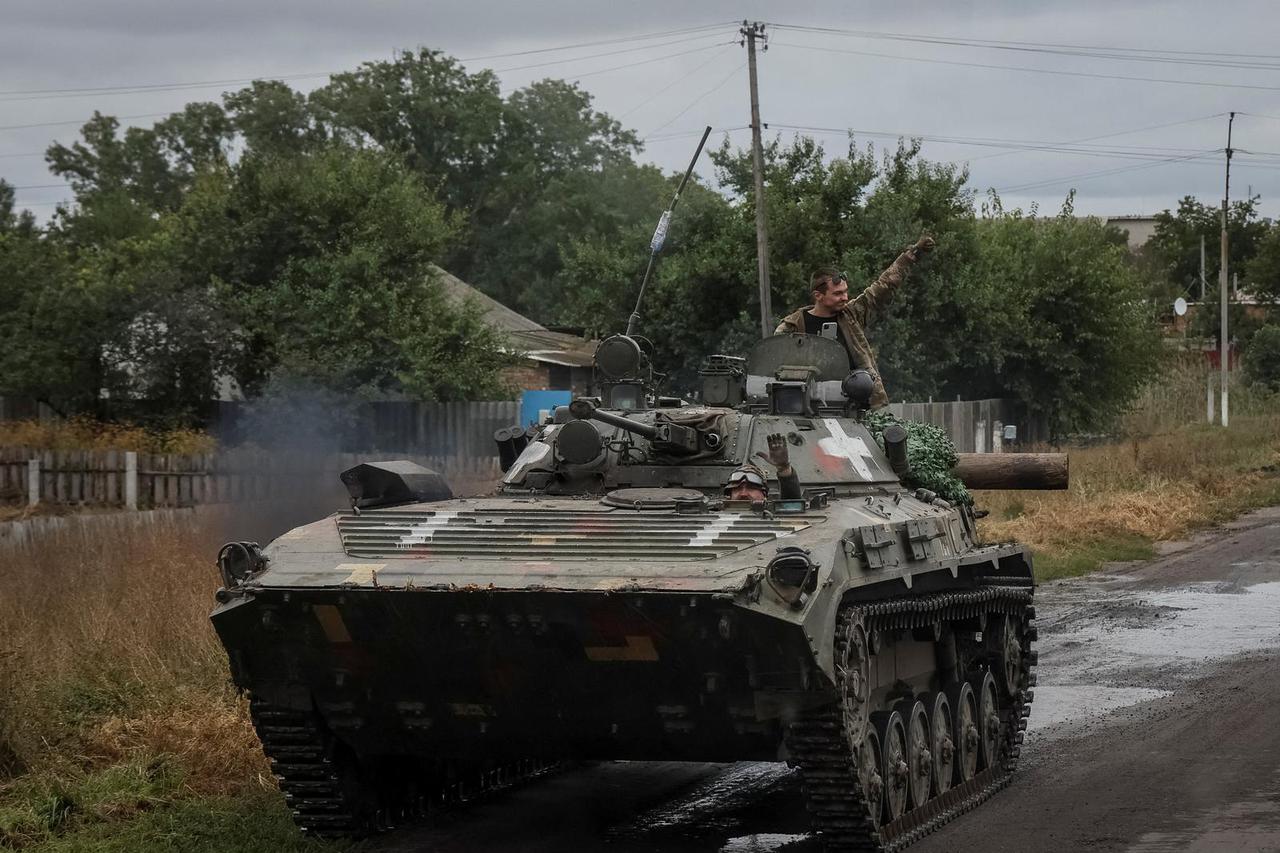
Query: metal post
{"points": [[1202, 281], [1224, 347], [33, 482], [752, 32], [997, 437], [131, 480], [1208, 396]]}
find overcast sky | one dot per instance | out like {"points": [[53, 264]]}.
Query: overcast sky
{"points": [[675, 84]]}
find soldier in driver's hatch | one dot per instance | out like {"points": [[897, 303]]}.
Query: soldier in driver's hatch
{"points": [[831, 304], [748, 482]]}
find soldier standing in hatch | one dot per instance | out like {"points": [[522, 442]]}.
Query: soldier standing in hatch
{"points": [[831, 304]]}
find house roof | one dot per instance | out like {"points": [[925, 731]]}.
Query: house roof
{"points": [[531, 339], [494, 312]]}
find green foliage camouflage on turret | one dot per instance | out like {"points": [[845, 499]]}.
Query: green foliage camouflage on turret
{"points": [[930, 454]]}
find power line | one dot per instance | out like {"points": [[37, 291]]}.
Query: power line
{"points": [[1131, 152], [1126, 54], [78, 121], [698, 99], [1085, 176], [714, 56], [648, 61], [603, 41], [685, 134], [144, 87], [1143, 129], [652, 59], [608, 53], [1033, 70]]}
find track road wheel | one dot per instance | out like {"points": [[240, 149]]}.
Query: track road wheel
{"points": [[942, 741], [892, 733], [1009, 652], [988, 719], [964, 712], [919, 753], [870, 762], [853, 665]]}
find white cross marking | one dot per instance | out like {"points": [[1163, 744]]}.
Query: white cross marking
{"points": [[852, 448], [708, 534], [423, 532]]}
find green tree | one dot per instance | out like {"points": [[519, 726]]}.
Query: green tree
{"points": [[1174, 249], [1262, 358], [272, 118], [1261, 275], [521, 172], [1075, 339], [322, 264], [13, 221], [857, 213], [52, 323]]}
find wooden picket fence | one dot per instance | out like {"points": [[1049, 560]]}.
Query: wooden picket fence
{"points": [[103, 477]]}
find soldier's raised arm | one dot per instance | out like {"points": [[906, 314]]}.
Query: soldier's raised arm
{"points": [[880, 293]]}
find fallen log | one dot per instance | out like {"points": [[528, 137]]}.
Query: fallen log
{"points": [[1012, 470]]}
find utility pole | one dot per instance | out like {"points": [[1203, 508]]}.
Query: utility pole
{"points": [[1224, 347], [751, 32], [1202, 284]]}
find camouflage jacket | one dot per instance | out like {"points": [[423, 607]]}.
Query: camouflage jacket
{"points": [[855, 316]]}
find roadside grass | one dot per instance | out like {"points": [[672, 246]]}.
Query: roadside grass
{"points": [[1124, 497], [119, 729], [84, 433]]}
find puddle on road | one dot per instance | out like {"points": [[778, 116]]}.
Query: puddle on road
{"points": [[764, 842], [1103, 647], [1055, 705], [714, 802], [729, 812]]}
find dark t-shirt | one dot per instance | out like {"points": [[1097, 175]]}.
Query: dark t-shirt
{"points": [[813, 326]]}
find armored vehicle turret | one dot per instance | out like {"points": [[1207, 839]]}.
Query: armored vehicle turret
{"points": [[610, 602]]}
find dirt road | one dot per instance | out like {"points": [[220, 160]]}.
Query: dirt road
{"points": [[1156, 728]]}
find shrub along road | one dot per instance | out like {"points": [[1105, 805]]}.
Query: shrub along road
{"points": [[1154, 729]]}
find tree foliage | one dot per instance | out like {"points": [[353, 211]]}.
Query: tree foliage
{"points": [[1175, 247], [1262, 359], [278, 237], [1075, 339]]}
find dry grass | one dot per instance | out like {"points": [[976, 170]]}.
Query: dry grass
{"points": [[108, 656], [1125, 496], [82, 433]]}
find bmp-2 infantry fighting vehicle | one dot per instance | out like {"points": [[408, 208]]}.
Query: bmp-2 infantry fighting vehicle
{"points": [[609, 603]]}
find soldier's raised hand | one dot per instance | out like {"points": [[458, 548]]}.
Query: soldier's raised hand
{"points": [[924, 244], [779, 457]]}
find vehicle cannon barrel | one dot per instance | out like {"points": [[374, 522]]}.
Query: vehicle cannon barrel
{"points": [[1012, 470], [587, 410], [665, 437]]}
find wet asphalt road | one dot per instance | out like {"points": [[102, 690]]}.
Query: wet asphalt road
{"points": [[1156, 727]]}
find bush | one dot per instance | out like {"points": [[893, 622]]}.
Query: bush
{"points": [[1262, 358]]}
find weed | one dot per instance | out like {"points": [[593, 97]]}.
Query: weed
{"points": [[83, 433], [1125, 496]]}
